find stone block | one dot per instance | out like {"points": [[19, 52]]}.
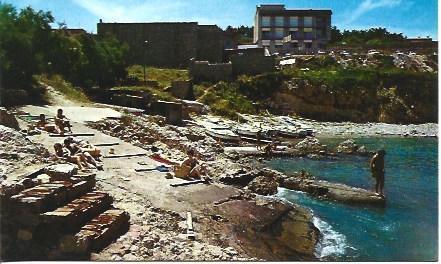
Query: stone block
{"points": [[181, 89], [78, 211], [79, 189], [104, 228], [61, 171]]}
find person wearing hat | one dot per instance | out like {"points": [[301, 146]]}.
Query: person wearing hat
{"points": [[377, 169]]}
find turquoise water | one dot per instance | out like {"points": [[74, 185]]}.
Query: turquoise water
{"points": [[405, 230]]}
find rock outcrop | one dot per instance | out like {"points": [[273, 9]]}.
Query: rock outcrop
{"points": [[350, 147], [263, 185], [8, 119], [272, 230]]}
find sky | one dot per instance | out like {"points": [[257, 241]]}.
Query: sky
{"points": [[413, 18]]}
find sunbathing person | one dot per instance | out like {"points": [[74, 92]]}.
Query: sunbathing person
{"points": [[65, 154], [190, 168], [61, 121], [85, 146], [42, 124], [75, 149]]}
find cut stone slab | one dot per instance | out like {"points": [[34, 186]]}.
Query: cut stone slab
{"points": [[104, 228], [61, 171], [41, 198], [78, 211]]}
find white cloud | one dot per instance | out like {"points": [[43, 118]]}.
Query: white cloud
{"points": [[368, 5], [130, 10]]}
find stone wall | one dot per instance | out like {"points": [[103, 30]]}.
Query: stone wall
{"points": [[181, 89], [205, 71], [130, 101], [170, 44], [251, 61], [210, 43]]}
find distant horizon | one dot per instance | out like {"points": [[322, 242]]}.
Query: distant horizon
{"points": [[411, 18]]}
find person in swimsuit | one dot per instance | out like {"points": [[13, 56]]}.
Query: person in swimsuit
{"points": [[61, 121], [377, 169], [42, 124], [64, 153], [196, 170], [77, 150]]}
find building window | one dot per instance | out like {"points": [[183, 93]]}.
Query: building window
{"points": [[266, 34], [294, 32], [279, 21], [307, 21], [308, 45], [266, 21], [307, 33], [294, 21], [278, 34]]}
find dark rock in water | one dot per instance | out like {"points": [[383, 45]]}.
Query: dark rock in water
{"points": [[264, 185]]}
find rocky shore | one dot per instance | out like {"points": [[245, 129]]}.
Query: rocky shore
{"points": [[236, 215]]}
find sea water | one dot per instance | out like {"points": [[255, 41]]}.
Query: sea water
{"points": [[406, 229]]}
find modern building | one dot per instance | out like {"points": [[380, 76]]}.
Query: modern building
{"points": [[292, 30], [168, 44]]}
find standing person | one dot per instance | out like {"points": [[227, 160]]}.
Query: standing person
{"points": [[377, 168]]}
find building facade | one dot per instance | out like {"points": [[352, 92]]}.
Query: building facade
{"points": [[169, 44], [295, 31]]}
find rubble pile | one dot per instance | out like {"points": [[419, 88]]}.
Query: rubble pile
{"points": [[157, 234], [16, 149], [147, 131], [151, 133], [58, 218], [414, 62]]}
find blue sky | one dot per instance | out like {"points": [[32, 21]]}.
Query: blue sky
{"points": [[411, 17]]}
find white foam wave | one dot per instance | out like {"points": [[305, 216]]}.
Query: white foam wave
{"points": [[332, 243]]}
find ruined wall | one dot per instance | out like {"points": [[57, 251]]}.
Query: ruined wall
{"points": [[170, 44], [205, 71], [210, 43], [252, 63]]}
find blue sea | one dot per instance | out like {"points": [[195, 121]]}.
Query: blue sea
{"points": [[406, 229]]}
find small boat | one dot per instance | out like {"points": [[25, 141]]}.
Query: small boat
{"points": [[222, 134]]}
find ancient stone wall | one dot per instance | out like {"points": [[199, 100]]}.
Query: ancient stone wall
{"points": [[169, 44], [205, 71], [252, 63], [210, 43]]}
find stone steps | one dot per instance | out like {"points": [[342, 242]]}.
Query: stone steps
{"points": [[77, 212], [101, 230], [58, 220], [93, 236]]}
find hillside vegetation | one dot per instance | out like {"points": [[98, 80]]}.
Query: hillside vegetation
{"points": [[329, 92]]}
